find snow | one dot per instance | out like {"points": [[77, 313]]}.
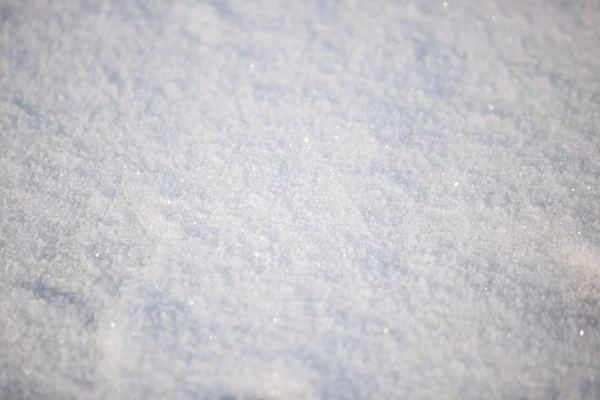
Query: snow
{"points": [[299, 200]]}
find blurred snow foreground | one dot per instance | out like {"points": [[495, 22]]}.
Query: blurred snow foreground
{"points": [[299, 200]]}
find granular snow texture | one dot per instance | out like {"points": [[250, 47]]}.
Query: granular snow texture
{"points": [[299, 200]]}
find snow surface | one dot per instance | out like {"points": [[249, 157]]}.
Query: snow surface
{"points": [[299, 200]]}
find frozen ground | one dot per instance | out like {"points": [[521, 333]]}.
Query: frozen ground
{"points": [[301, 200]]}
